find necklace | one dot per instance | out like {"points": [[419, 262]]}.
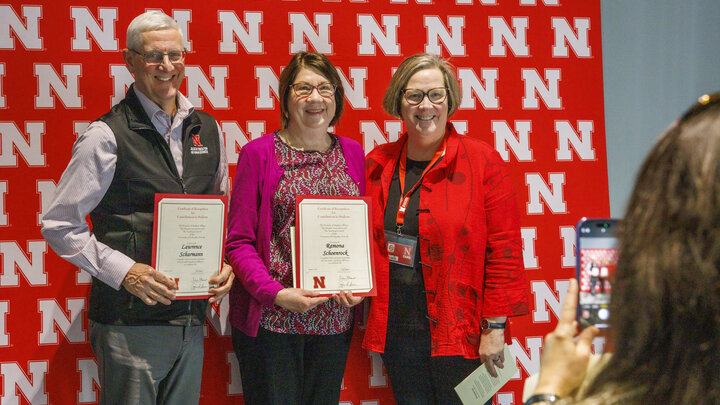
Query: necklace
{"points": [[300, 143]]}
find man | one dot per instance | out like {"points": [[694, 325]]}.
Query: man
{"points": [[149, 346]]}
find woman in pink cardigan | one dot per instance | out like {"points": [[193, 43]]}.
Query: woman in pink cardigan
{"points": [[291, 345]]}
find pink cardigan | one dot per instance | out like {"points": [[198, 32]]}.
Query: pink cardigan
{"points": [[250, 217]]}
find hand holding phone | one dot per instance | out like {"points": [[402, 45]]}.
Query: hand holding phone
{"points": [[596, 260]]}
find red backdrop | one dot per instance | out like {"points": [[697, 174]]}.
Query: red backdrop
{"points": [[531, 76]]}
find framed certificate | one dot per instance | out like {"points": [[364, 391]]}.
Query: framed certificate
{"points": [[189, 240], [333, 245]]}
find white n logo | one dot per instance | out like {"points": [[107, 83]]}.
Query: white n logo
{"points": [[14, 258], [534, 84], [3, 102], [46, 189], [546, 298], [470, 2], [30, 149], [268, 82], [538, 189], [373, 135], [218, 319], [530, 362], [534, 2], [15, 377], [89, 378], [387, 39], [519, 144], [302, 28], [4, 310], [232, 28], [235, 138], [69, 93], [235, 385], [567, 234], [452, 40], [581, 144], [502, 34], [85, 22], [4, 221], [470, 84], [53, 315], [529, 235], [122, 79], [355, 94], [28, 34], [377, 377], [197, 81], [565, 34]]}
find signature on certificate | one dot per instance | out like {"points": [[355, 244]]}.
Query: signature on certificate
{"points": [[346, 280]]}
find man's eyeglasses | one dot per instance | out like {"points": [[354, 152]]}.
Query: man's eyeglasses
{"points": [[157, 58], [704, 102], [415, 96], [303, 89]]}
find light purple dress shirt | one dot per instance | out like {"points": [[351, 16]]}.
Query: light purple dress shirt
{"points": [[86, 180]]}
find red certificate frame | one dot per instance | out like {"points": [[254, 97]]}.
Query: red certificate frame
{"points": [[192, 214], [347, 262]]}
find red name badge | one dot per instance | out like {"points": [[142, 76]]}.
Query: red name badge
{"points": [[401, 248]]}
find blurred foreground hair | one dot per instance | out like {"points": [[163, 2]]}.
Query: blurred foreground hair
{"points": [[666, 295]]}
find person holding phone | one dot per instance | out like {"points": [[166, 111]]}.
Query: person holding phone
{"points": [[291, 344], [447, 243], [665, 306]]}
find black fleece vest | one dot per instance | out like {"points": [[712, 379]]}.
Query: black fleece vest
{"points": [[123, 220]]}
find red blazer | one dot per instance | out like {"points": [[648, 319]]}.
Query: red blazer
{"points": [[470, 245]]}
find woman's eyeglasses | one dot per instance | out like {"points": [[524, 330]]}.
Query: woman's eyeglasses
{"points": [[415, 96], [303, 89]]}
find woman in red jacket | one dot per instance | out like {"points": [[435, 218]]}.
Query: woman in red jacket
{"points": [[448, 250]]}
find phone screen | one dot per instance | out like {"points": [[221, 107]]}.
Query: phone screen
{"points": [[596, 261]]}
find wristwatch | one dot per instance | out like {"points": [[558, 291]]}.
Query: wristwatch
{"points": [[547, 398], [485, 324]]}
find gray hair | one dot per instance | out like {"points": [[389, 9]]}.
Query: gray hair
{"points": [[413, 64], [148, 21]]}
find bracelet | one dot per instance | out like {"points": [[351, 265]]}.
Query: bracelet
{"points": [[549, 398]]}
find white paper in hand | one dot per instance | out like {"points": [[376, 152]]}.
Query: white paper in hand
{"points": [[480, 386]]}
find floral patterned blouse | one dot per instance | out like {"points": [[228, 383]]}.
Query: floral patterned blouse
{"points": [[306, 173]]}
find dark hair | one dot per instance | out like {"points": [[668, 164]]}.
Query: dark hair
{"points": [[666, 295], [319, 63]]}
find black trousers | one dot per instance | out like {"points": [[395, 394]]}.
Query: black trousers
{"points": [[288, 369], [418, 378]]}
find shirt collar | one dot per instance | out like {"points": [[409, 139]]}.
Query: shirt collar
{"points": [[184, 106]]}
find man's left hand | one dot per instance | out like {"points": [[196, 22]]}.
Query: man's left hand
{"points": [[223, 281], [492, 345]]}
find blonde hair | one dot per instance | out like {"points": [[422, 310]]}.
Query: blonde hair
{"points": [[413, 64]]}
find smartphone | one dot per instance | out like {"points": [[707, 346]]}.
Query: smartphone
{"points": [[597, 254]]}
